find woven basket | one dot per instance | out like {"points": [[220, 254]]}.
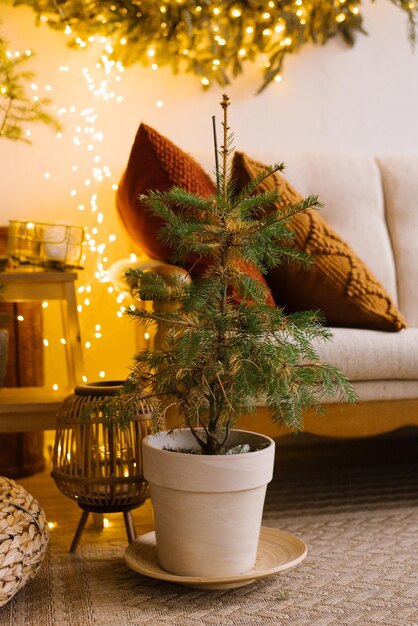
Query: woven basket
{"points": [[24, 536]]}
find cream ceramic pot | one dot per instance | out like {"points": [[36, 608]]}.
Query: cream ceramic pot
{"points": [[208, 509]]}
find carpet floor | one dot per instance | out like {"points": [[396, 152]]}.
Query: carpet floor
{"points": [[356, 508]]}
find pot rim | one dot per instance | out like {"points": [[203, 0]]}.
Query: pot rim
{"points": [[208, 473], [147, 442]]}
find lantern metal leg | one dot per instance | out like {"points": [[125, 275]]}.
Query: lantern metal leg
{"points": [[80, 528], [129, 524], [127, 516], [98, 521]]}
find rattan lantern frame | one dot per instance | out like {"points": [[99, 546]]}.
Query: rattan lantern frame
{"points": [[97, 462]]}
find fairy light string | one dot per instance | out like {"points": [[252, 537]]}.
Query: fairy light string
{"points": [[89, 182]]}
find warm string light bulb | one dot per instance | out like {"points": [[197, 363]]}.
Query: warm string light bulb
{"points": [[229, 35], [272, 31]]}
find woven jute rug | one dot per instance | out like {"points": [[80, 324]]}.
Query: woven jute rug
{"points": [[358, 517]]}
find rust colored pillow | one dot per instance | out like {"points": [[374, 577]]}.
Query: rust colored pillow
{"points": [[156, 163], [338, 282]]}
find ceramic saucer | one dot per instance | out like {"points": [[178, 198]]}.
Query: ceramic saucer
{"points": [[277, 552]]}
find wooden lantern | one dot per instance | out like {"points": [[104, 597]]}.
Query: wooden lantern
{"points": [[96, 462]]}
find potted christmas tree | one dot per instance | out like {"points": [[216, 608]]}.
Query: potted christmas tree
{"points": [[224, 346]]}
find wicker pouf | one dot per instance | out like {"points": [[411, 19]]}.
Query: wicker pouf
{"points": [[24, 536]]}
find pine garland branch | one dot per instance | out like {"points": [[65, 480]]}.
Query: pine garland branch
{"points": [[179, 34], [17, 108]]}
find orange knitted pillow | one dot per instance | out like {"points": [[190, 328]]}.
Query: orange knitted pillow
{"points": [[338, 282], [155, 163]]}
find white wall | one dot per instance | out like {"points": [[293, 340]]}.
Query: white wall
{"points": [[331, 98]]}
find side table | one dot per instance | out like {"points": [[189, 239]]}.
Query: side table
{"points": [[35, 408]]}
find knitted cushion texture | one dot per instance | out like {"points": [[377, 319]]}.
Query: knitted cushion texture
{"points": [[338, 283], [157, 164]]}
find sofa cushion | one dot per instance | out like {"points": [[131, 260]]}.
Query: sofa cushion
{"points": [[380, 390], [338, 282], [400, 184], [364, 355], [350, 188], [156, 163]]}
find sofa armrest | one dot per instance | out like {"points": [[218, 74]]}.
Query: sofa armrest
{"points": [[118, 268], [171, 273], [167, 271], [117, 278]]}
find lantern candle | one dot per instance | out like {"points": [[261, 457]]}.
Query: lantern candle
{"points": [[63, 243]]}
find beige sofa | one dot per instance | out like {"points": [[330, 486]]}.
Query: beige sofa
{"points": [[373, 204]]}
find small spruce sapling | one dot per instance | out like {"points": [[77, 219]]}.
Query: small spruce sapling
{"points": [[221, 352]]}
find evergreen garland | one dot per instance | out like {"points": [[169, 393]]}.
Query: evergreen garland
{"points": [[219, 356], [209, 38], [18, 108]]}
